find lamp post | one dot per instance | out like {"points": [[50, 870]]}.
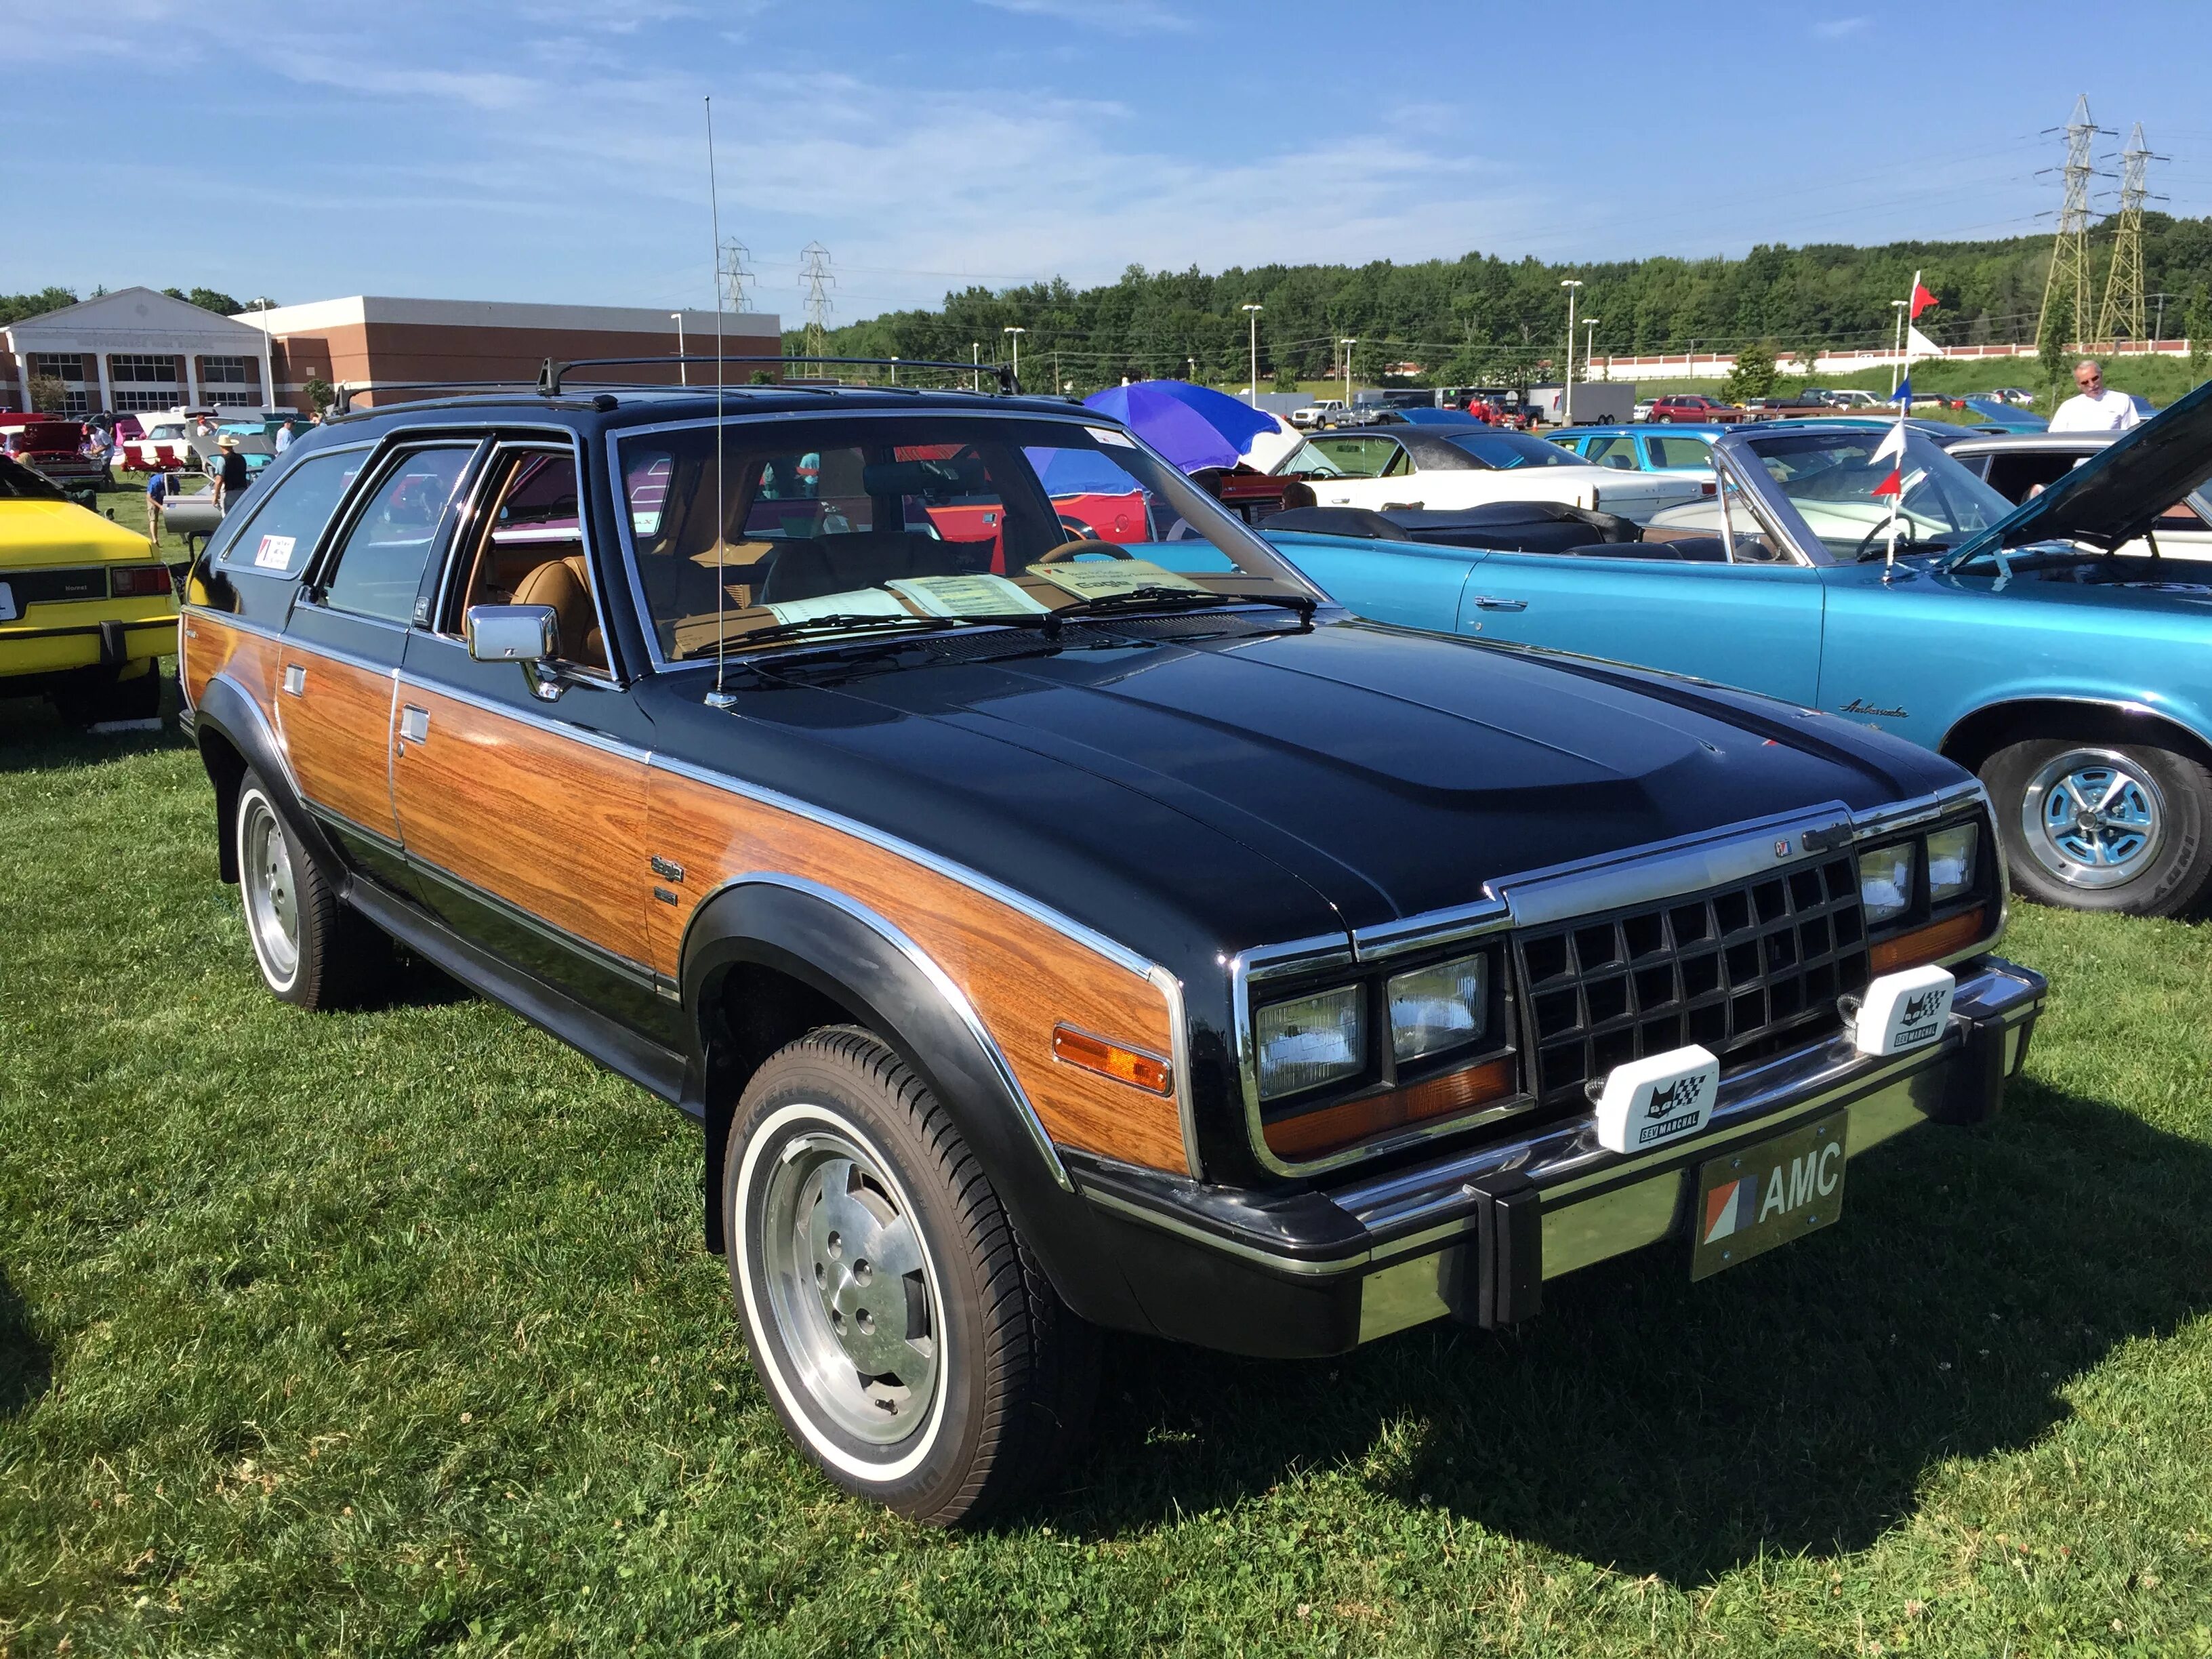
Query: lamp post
{"points": [[1567, 381], [1897, 369], [1347, 345], [975, 356], [1252, 317], [682, 368], [1589, 344], [1017, 333]]}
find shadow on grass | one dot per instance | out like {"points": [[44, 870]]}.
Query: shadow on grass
{"points": [[34, 738], [1796, 1403], [25, 1365]]}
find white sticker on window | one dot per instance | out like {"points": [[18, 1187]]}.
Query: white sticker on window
{"points": [[275, 552], [1107, 434]]}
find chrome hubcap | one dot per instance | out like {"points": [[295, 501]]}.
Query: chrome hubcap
{"points": [[271, 899], [849, 1288], [2093, 817]]}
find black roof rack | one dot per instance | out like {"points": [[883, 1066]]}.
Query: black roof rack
{"points": [[550, 377], [347, 391]]}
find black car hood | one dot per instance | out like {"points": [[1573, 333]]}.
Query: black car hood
{"points": [[1392, 772], [2116, 495]]}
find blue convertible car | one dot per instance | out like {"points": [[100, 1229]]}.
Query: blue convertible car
{"points": [[2075, 680]]}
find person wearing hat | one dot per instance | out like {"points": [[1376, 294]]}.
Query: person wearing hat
{"points": [[231, 478]]}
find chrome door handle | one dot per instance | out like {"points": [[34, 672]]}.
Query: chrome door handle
{"points": [[295, 679], [414, 724], [1483, 602]]}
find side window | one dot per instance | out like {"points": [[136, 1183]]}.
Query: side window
{"points": [[1617, 452], [529, 549], [379, 565], [1752, 544], [1680, 452], [276, 540]]}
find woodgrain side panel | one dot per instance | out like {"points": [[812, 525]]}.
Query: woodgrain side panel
{"points": [[546, 822], [337, 733], [213, 647], [1022, 977]]}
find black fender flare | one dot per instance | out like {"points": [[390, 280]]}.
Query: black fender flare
{"points": [[225, 710], [865, 965]]}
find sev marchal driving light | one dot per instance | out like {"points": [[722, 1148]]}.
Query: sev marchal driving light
{"points": [[1439, 1006], [1311, 1040], [1951, 861], [1886, 881]]}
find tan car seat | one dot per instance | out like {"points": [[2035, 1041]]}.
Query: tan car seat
{"points": [[565, 584]]}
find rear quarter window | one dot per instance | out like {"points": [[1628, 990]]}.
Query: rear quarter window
{"points": [[278, 535]]}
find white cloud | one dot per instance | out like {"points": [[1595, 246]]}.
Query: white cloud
{"points": [[1115, 16], [1839, 28]]}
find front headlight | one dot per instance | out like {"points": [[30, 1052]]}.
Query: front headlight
{"points": [[1311, 1040], [1439, 1006], [1886, 882], [1951, 861]]}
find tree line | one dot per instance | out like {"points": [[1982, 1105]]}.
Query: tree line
{"points": [[15, 307], [1481, 319]]}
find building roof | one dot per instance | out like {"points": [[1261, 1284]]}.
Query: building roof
{"points": [[131, 318], [362, 309]]}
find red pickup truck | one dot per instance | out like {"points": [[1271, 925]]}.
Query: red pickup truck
{"points": [[1694, 409]]}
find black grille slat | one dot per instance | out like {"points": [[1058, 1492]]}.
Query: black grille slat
{"points": [[1734, 969]]}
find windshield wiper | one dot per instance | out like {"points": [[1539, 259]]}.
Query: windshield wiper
{"points": [[1157, 597], [865, 624]]}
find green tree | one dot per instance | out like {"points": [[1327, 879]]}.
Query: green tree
{"points": [[48, 394], [1753, 376], [321, 394], [207, 299], [2199, 323], [2050, 348], [1286, 380], [14, 307]]}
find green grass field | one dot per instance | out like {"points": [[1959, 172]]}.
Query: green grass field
{"points": [[390, 1332]]}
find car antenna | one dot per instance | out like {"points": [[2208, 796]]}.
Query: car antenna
{"points": [[718, 697]]}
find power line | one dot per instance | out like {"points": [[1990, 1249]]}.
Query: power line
{"points": [[814, 275], [2068, 280], [736, 273], [2122, 315]]}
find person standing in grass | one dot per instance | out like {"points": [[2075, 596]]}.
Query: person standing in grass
{"points": [[232, 478], [157, 498], [2094, 409]]}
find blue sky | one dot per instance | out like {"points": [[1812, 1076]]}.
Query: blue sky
{"points": [[552, 150]]}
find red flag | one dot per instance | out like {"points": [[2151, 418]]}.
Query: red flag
{"points": [[1921, 298], [1893, 484]]}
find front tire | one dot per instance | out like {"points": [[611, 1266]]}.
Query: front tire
{"points": [[312, 951], [2104, 826], [903, 1330]]}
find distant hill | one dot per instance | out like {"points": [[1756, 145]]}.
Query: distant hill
{"points": [[1479, 317]]}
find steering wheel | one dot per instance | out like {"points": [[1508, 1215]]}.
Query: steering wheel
{"points": [[1066, 552], [1876, 534]]}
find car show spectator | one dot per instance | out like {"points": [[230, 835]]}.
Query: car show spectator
{"points": [[157, 497], [2094, 409], [232, 476], [284, 437]]}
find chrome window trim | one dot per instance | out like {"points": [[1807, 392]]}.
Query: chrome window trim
{"points": [[330, 542], [939, 980], [1647, 874]]}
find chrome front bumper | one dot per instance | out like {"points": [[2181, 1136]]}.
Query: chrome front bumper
{"points": [[1474, 1234]]}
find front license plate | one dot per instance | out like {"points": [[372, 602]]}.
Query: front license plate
{"points": [[7, 603], [1767, 1194]]}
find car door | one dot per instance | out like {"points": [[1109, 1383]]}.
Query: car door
{"points": [[1753, 621], [1372, 469], [347, 633], [521, 797]]}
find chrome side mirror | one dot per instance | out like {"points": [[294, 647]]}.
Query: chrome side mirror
{"points": [[526, 634]]}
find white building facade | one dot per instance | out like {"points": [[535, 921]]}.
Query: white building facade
{"points": [[133, 351]]}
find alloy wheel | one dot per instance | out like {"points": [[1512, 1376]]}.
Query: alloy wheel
{"points": [[272, 913], [2093, 817]]}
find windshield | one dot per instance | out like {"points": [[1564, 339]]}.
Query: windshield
{"points": [[843, 526], [1504, 451], [1831, 477], [19, 482]]}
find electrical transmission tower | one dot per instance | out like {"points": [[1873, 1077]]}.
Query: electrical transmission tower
{"points": [[815, 277], [736, 273], [2121, 317], [2068, 281]]}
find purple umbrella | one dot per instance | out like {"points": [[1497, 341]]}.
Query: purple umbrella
{"points": [[1193, 426]]}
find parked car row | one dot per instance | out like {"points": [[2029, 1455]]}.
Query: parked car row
{"points": [[1052, 929]]}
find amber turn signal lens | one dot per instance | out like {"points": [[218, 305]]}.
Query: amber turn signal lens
{"points": [[1310, 1134], [1937, 938], [1131, 1066]]}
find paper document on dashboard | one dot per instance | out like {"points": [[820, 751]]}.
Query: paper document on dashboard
{"points": [[1095, 578], [978, 595], [861, 602]]}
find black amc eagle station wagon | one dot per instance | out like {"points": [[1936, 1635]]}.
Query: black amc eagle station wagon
{"points": [[1057, 914]]}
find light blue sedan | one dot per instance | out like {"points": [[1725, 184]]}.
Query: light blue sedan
{"points": [[2077, 683], [1673, 448]]}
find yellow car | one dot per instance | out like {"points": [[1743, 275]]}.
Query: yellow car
{"points": [[86, 609]]}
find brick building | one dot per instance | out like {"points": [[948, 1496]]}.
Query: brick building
{"points": [[137, 350], [373, 339]]}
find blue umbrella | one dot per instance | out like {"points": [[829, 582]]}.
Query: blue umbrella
{"points": [[1193, 426]]}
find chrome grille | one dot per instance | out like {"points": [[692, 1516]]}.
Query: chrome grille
{"points": [[1731, 968]]}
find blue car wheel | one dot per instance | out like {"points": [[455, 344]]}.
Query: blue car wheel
{"points": [[2104, 826]]}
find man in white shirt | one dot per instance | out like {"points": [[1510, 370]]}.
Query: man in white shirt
{"points": [[2094, 408]]}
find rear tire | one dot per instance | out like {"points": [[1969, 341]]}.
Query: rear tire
{"points": [[905, 1333], [312, 951], [2104, 826]]}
